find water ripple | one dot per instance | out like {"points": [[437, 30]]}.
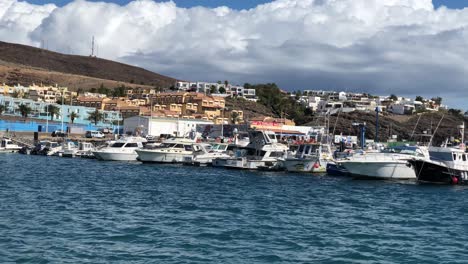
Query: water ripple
{"points": [[76, 210]]}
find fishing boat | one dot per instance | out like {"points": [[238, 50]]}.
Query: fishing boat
{"points": [[263, 151], [123, 149], [446, 165], [310, 157], [8, 146], [69, 150]]}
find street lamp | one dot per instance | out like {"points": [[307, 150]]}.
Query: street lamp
{"points": [[47, 118]]}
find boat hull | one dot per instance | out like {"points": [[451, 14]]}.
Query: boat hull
{"points": [[161, 157], [305, 165], [431, 172], [386, 170], [114, 156]]}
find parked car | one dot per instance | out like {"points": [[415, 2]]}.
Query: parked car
{"points": [[59, 133], [94, 134], [105, 130]]}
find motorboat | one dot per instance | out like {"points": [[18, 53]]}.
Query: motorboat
{"points": [[310, 157], [173, 150], [85, 150], [123, 149], [8, 146], [263, 151], [203, 155], [445, 165], [390, 164], [69, 149]]}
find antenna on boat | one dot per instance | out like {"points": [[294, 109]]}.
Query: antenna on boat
{"points": [[435, 131], [414, 129]]}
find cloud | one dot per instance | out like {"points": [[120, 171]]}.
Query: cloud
{"points": [[404, 47]]}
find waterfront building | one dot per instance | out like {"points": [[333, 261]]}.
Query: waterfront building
{"points": [[39, 110], [156, 126]]}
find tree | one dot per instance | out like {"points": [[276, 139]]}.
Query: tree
{"points": [[419, 98], [213, 89], [222, 90], [226, 83], [24, 110], [247, 85], [52, 110], [437, 100], [393, 97], [73, 116], [95, 116], [235, 118], [2, 108]]}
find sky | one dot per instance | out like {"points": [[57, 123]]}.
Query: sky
{"points": [[402, 47]]}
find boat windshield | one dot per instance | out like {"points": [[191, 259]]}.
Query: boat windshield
{"points": [[117, 145]]}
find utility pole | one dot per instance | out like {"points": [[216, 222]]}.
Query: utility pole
{"points": [[92, 47]]}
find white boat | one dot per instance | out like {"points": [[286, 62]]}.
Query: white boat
{"points": [[384, 165], [313, 157], [203, 155], [263, 151], [69, 150], [173, 150], [121, 150], [7, 146], [85, 150]]}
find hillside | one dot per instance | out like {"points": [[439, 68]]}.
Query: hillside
{"points": [[250, 109], [42, 62], [389, 125]]}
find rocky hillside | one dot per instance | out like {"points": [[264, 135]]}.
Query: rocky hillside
{"points": [[15, 58], [396, 125]]}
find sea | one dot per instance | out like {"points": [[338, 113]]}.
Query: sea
{"points": [[59, 210]]}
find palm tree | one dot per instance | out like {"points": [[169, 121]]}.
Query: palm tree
{"points": [[73, 116], [95, 116], [2, 108], [24, 110], [52, 110]]}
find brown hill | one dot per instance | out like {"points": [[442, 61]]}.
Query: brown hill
{"points": [[396, 125], [19, 57], [250, 109]]}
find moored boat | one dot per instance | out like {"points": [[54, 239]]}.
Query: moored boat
{"points": [[445, 165], [121, 150], [8, 146], [388, 165]]}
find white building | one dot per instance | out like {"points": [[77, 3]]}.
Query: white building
{"points": [[313, 102], [145, 125]]}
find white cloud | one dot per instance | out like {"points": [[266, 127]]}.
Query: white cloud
{"points": [[378, 46]]}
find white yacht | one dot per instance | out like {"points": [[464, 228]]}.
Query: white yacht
{"points": [[7, 146], [263, 151], [121, 150], [203, 154], [387, 165], [313, 157], [173, 150]]}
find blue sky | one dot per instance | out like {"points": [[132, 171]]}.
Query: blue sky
{"points": [[239, 4]]}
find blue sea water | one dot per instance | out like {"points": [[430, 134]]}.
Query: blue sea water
{"points": [[58, 210]]}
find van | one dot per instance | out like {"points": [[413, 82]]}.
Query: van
{"points": [[94, 134]]}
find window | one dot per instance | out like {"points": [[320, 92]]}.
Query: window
{"points": [[131, 145], [454, 156], [464, 157], [117, 145], [180, 146], [188, 147]]}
